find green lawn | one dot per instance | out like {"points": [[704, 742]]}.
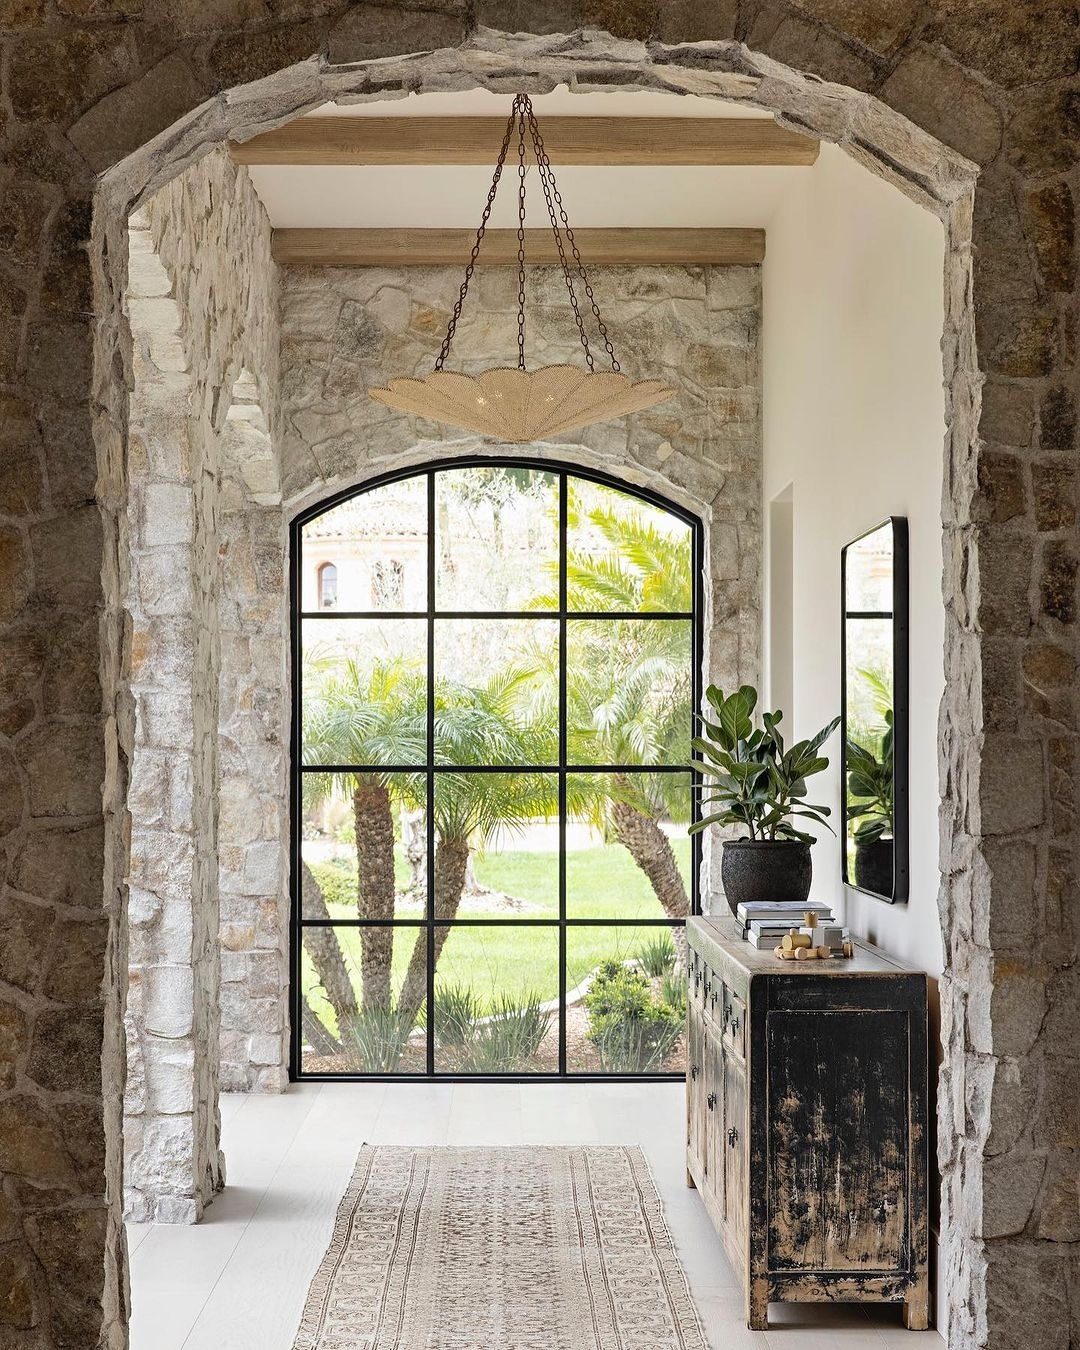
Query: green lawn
{"points": [[601, 882]]}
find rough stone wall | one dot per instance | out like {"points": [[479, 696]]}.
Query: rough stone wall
{"points": [[137, 92], [345, 330], [166, 881], [253, 740], [194, 319]]}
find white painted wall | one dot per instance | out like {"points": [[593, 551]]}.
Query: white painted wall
{"points": [[853, 430], [854, 422]]}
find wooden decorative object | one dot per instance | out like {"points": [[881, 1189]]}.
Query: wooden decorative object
{"points": [[523, 405], [807, 1120], [519, 405]]}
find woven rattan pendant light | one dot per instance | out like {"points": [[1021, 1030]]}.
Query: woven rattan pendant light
{"points": [[516, 404]]}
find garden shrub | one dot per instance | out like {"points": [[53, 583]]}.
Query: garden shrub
{"points": [[337, 881], [631, 1030]]}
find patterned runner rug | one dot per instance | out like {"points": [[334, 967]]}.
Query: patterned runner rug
{"points": [[500, 1249]]}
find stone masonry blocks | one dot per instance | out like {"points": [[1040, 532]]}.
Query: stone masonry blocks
{"points": [[145, 93]]}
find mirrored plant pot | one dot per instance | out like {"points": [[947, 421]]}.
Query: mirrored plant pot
{"points": [[754, 871], [874, 866]]}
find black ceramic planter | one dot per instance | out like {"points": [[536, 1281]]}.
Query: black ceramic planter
{"points": [[758, 870], [874, 867]]}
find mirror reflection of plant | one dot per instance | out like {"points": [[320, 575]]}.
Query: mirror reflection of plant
{"points": [[755, 781], [870, 786]]}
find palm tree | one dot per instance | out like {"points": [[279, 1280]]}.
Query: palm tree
{"points": [[478, 726], [629, 684], [369, 714]]}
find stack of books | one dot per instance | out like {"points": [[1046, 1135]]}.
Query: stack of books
{"points": [[764, 924]]}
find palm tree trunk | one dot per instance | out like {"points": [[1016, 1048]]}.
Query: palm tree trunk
{"points": [[374, 818], [316, 1035], [326, 955], [451, 864], [651, 849]]}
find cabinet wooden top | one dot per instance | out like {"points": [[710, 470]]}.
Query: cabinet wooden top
{"points": [[707, 932]]}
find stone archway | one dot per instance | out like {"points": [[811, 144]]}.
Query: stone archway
{"points": [[996, 88]]}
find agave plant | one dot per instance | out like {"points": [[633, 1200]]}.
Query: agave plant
{"points": [[507, 1040], [755, 782]]}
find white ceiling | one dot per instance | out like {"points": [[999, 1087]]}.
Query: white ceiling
{"points": [[381, 196]]}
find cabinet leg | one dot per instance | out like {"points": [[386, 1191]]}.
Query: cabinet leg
{"points": [[757, 1306], [916, 1308], [690, 1180]]}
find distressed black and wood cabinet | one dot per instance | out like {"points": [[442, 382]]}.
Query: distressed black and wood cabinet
{"points": [[807, 1121]]}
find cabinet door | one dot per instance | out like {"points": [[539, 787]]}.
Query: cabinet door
{"points": [[695, 1077], [714, 1112], [736, 1143], [838, 1121]]}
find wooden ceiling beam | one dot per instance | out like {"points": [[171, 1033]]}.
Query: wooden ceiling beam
{"points": [[451, 248], [569, 140]]}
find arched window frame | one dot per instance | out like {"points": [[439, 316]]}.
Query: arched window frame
{"points": [[564, 472]]}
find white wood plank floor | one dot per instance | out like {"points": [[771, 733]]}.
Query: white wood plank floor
{"points": [[237, 1281]]}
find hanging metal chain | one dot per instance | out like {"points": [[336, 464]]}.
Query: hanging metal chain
{"points": [[546, 171], [541, 162], [523, 119], [520, 104], [451, 329]]}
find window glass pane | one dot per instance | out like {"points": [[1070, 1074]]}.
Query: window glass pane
{"points": [[496, 538], [629, 688], [364, 688], [626, 1000], [367, 826], [362, 1000], [627, 847], [510, 823], [496, 691], [377, 542], [623, 554], [496, 1000]]}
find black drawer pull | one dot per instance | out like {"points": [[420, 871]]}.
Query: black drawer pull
{"points": [[695, 1069], [732, 1137], [711, 1100], [734, 1025]]}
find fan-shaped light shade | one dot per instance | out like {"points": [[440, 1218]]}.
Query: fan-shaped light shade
{"points": [[520, 405]]}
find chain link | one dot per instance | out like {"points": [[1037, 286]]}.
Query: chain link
{"points": [[523, 120], [520, 107], [544, 169], [451, 329]]}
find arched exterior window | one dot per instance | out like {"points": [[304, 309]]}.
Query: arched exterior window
{"points": [[327, 586], [490, 799]]}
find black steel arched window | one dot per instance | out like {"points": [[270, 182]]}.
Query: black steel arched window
{"points": [[491, 863]]}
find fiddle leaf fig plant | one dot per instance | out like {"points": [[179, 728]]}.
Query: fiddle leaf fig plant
{"points": [[870, 787], [752, 779]]}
